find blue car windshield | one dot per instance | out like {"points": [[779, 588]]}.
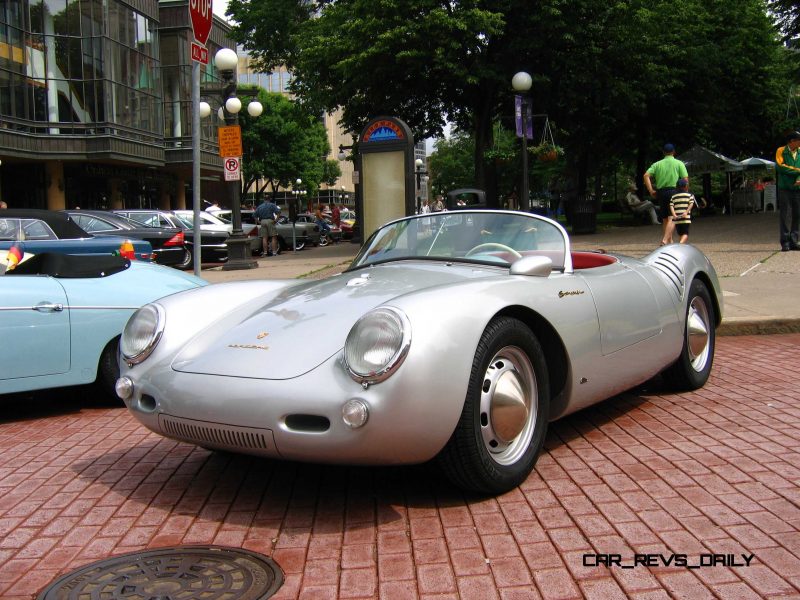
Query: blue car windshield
{"points": [[496, 237]]}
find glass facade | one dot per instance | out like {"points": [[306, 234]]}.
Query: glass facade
{"points": [[79, 67], [277, 81], [176, 67]]}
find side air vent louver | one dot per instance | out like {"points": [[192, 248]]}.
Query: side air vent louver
{"points": [[668, 265], [215, 434]]}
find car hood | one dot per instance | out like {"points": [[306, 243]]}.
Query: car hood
{"points": [[293, 332]]}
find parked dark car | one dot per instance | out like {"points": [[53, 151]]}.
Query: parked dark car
{"points": [[40, 231], [214, 244], [167, 242]]}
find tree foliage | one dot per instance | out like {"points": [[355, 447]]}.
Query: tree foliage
{"points": [[620, 77], [787, 13], [284, 143]]}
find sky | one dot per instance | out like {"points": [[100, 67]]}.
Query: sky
{"points": [[218, 7]]}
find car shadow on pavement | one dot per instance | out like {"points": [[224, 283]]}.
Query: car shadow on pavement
{"points": [[25, 406], [301, 498]]}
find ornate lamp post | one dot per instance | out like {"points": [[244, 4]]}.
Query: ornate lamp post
{"points": [[419, 173], [226, 61], [521, 82]]}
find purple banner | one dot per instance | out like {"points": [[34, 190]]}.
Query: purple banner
{"points": [[528, 117]]}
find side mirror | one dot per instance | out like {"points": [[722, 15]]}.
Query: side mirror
{"points": [[532, 266]]}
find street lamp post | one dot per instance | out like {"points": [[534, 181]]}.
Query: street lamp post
{"points": [[419, 172], [521, 82], [226, 61]]}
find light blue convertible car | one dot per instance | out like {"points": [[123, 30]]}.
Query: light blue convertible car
{"points": [[61, 316]]}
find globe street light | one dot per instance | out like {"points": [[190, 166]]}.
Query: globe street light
{"points": [[521, 82], [226, 61], [419, 172]]}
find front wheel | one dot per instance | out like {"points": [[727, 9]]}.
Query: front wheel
{"points": [[108, 372], [693, 367], [504, 419], [323, 240]]}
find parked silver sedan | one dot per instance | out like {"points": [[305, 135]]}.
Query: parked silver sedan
{"points": [[458, 337]]}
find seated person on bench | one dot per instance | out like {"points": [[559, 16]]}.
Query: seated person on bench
{"points": [[640, 207]]}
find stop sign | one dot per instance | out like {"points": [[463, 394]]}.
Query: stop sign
{"points": [[201, 15]]}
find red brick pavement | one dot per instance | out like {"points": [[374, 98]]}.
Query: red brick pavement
{"points": [[714, 471]]}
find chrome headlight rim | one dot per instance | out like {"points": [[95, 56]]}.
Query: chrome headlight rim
{"points": [[155, 335], [397, 358]]}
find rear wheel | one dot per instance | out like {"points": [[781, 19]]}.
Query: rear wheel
{"points": [[323, 240], [504, 419], [186, 263], [693, 367]]}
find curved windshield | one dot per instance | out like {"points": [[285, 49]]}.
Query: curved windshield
{"points": [[493, 237]]}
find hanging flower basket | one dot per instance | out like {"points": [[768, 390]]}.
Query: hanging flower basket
{"points": [[547, 152], [549, 156]]}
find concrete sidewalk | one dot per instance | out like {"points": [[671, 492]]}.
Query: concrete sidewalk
{"points": [[761, 285]]}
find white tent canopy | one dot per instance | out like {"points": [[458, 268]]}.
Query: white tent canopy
{"points": [[754, 162], [702, 160]]}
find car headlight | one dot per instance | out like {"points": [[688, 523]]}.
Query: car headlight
{"points": [[377, 344], [141, 333]]}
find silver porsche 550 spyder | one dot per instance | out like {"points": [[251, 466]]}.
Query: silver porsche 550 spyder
{"points": [[458, 336]]}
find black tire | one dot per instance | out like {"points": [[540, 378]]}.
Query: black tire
{"points": [[285, 244], [693, 366], [490, 455], [108, 372], [188, 259]]}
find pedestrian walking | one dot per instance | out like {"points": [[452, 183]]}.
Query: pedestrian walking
{"points": [[660, 180], [787, 168], [680, 209]]}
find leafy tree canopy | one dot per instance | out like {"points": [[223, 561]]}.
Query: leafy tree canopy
{"points": [[284, 143], [619, 77]]}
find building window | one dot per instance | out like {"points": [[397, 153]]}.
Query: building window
{"points": [[79, 66]]}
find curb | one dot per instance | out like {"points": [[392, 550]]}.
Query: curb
{"points": [[767, 326]]}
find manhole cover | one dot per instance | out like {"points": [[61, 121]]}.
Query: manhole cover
{"points": [[182, 573]]}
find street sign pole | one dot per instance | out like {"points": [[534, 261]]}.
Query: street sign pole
{"points": [[201, 16], [196, 235]]}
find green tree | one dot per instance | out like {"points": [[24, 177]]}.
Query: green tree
{"points": [[285, 142], [787, 15], [451, 164], [619, 77], [331, 171]]}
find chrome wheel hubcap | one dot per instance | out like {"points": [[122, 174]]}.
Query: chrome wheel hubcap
{"points": [[697, 332], [508, 405]]}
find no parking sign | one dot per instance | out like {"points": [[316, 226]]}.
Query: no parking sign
{"points": [[232, 168]]}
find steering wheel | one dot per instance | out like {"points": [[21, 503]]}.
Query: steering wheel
{"points": [[480, 247]]}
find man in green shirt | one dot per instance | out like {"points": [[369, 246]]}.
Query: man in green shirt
{"points": [[660, 180], [787, 166]]}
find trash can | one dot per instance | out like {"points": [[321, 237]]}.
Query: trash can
{"points": [[584, 216]]}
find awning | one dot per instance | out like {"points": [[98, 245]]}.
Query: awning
{"points": [[702, 160], [754, 163]]}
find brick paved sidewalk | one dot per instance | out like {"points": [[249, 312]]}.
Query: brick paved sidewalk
{"points": [[715, 471]]}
